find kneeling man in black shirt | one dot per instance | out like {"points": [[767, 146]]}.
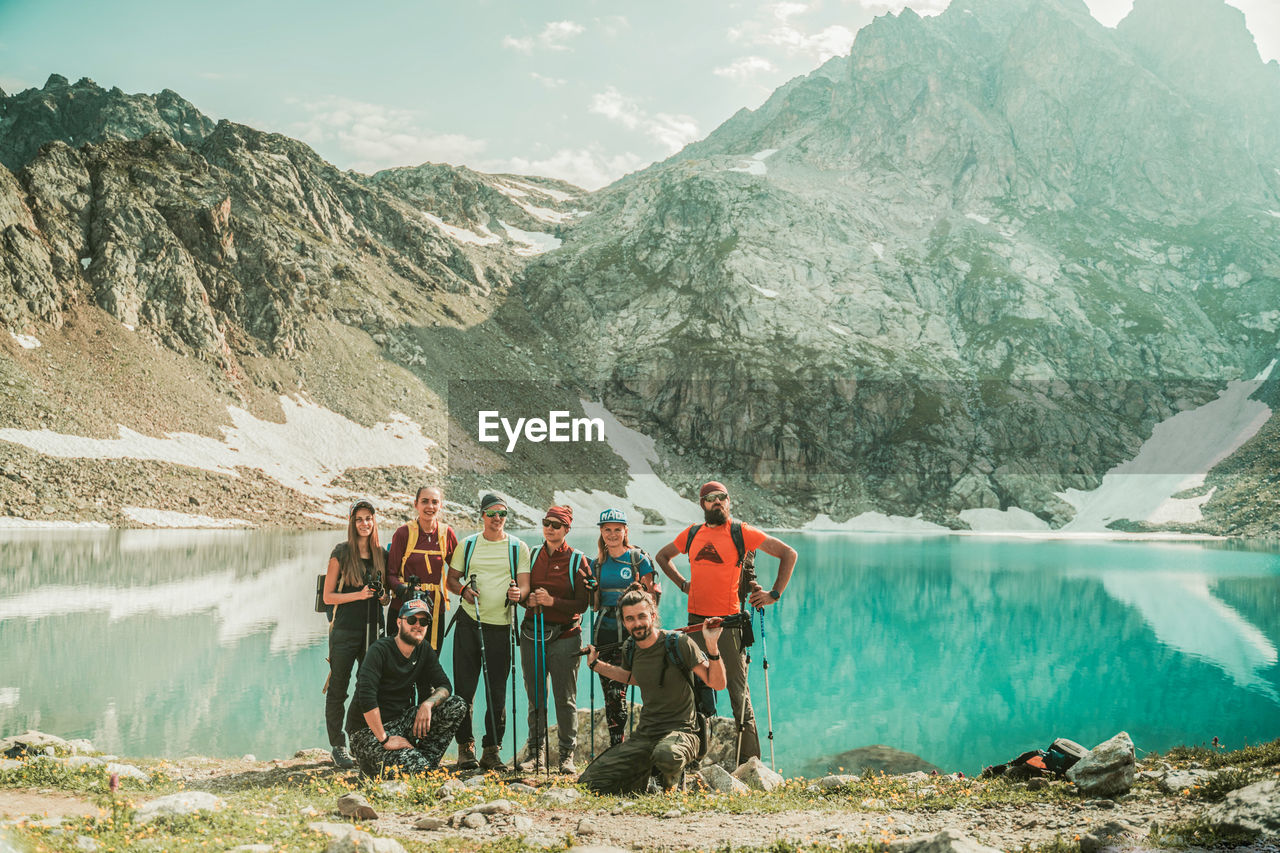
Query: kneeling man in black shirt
{"points": [[403, 715]]}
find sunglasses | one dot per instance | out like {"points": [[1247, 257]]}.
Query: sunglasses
{"points": [[554, 525], [421, 619], [715, 496], [495, 513]]}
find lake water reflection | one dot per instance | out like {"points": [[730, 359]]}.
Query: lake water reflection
{"points": [[963, 650]]}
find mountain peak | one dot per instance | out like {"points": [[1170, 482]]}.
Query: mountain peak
{"points": [[85, 112]]}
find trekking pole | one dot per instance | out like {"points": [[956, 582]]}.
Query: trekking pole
{"points": [[545, 734], [768, 704], [591, 688], [484, 661], [513, 644]]}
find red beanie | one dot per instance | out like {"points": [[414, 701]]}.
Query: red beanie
{"points": [[708, 488], [562, 514]]}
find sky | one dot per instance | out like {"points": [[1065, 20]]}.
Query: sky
{"points": [[584, 90]]}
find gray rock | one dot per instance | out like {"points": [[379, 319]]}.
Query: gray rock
{"points": [[77, 761], [949, 840], [355, 806], [309, 811], [80, 746], [252, 848], [430, 823], [331, 829], [754, 774], [9, 764], [87, 844], [521, 823], [586, 826], [249, 757], [720, 780], [451, 788], [878, 758], [184, 802], [35, 741], [1254, 808], [494, 807], [394, 788], [1106, 770], [1110, 834], [672, 814], [596, 848], [358, 841], [474, 820], [1177, 781], [476, 781], [128, 771], [521, 788], [313, 754], [834, 781], [559, 796]]}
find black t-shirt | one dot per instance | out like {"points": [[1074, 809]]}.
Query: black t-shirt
{"points": [[354, 615], [392, 683]]}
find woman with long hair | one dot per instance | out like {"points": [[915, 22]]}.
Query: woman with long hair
{"points": [[352, 585], [618, 564], [416, 560]]}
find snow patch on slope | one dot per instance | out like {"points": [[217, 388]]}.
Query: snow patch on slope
{"points": [[1180, 452], [313, 447], [644, 489]]}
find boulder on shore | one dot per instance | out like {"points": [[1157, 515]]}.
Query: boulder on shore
{"points": [[1254, 808], [878, 759], [1106, 770]]}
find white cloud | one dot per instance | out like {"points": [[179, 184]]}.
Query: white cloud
{"points": [[672, 131], [776, 29], [589, 168], [549, 82], [746, 69], [554, 36], [924, 8], [613, 25], [368, 137]]}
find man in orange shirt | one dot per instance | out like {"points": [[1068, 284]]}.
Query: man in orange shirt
{"points": [[716, 552]]}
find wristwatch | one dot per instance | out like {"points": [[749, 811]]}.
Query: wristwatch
{"points": [[774, 594], [386, 736], [712, 657]]}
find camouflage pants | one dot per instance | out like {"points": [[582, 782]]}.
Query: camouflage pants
{"points": [[426, 752], [625, 768]]}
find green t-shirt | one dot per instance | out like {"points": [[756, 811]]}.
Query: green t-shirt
{"points": [[491, 566], [667, 707]]}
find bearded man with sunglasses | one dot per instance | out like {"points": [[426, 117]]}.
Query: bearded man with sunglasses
{"points": [[717, 550], [403, 715], [489, 571], [551, 637]]}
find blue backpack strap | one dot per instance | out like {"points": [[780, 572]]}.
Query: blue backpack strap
{"points": [[468, 548], [575, 563]]}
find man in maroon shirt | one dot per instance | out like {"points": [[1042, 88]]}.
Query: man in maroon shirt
{"points": [[557, 598]]}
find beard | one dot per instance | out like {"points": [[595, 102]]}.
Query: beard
{"points": [[408, 639], [715, 515], [642, 632]]}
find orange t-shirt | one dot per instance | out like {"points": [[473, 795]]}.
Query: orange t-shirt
{"points": [[713, 567]]}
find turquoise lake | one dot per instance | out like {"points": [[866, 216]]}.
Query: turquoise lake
{"points": [[963, 650]]}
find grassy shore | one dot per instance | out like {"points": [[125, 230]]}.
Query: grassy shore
{"points": [[277, 805]]}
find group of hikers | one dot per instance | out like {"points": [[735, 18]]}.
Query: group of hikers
{"points": [[404, 711]]}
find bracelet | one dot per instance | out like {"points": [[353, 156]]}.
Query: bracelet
{"points": [[592, 666], [712, 657], [386, 736]]}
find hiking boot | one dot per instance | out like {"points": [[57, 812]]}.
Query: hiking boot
{"points": [[491, 760], [342, 758], [467, 756], [567, 767], [533, 762]]}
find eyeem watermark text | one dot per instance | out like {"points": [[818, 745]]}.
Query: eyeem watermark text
{"points": [[557, 428]]}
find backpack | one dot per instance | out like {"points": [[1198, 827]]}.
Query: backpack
{"points": [[469, 547], [575, 562], [747, 570], [671, 641]]}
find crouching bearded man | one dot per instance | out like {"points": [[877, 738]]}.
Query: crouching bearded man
{"points": [[666, 738], [403, 715]]}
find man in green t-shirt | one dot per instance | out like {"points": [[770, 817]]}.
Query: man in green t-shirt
{"points": [[487, 570], [666, 738]]}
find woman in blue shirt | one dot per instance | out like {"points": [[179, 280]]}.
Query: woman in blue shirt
{"points": [[618, 564]]}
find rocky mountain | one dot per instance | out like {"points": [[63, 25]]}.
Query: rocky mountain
{"points": [[968, 266]]}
